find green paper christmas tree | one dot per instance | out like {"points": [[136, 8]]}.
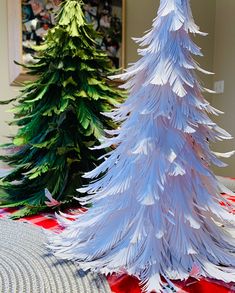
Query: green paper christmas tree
{"points": [[59, 116]]}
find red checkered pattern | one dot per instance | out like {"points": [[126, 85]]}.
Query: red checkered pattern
{"points": [[47, 221]]}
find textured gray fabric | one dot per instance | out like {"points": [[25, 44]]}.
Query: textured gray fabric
{"points": [[26, 266]]}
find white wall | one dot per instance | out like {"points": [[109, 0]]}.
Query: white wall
{"points": [[6, 91], [224, 68]]}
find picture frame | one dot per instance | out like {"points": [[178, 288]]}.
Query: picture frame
{"points": [[17, 34]]}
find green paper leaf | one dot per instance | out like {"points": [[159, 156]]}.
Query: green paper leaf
{"points": [[38, 171], [19, 141], [93, 81], [82, 94], [70, 80]]}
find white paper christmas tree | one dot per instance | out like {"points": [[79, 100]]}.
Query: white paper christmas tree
{"points": [[157, 209]]}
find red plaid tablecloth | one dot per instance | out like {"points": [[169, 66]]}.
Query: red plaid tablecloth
{"points": [[124, 283], [47, 221]]}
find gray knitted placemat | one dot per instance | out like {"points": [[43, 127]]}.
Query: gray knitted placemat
{"points": [[26, 265]]}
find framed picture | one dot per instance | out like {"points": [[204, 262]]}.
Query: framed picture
{"points": [[37, 17], [30, 20]]}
